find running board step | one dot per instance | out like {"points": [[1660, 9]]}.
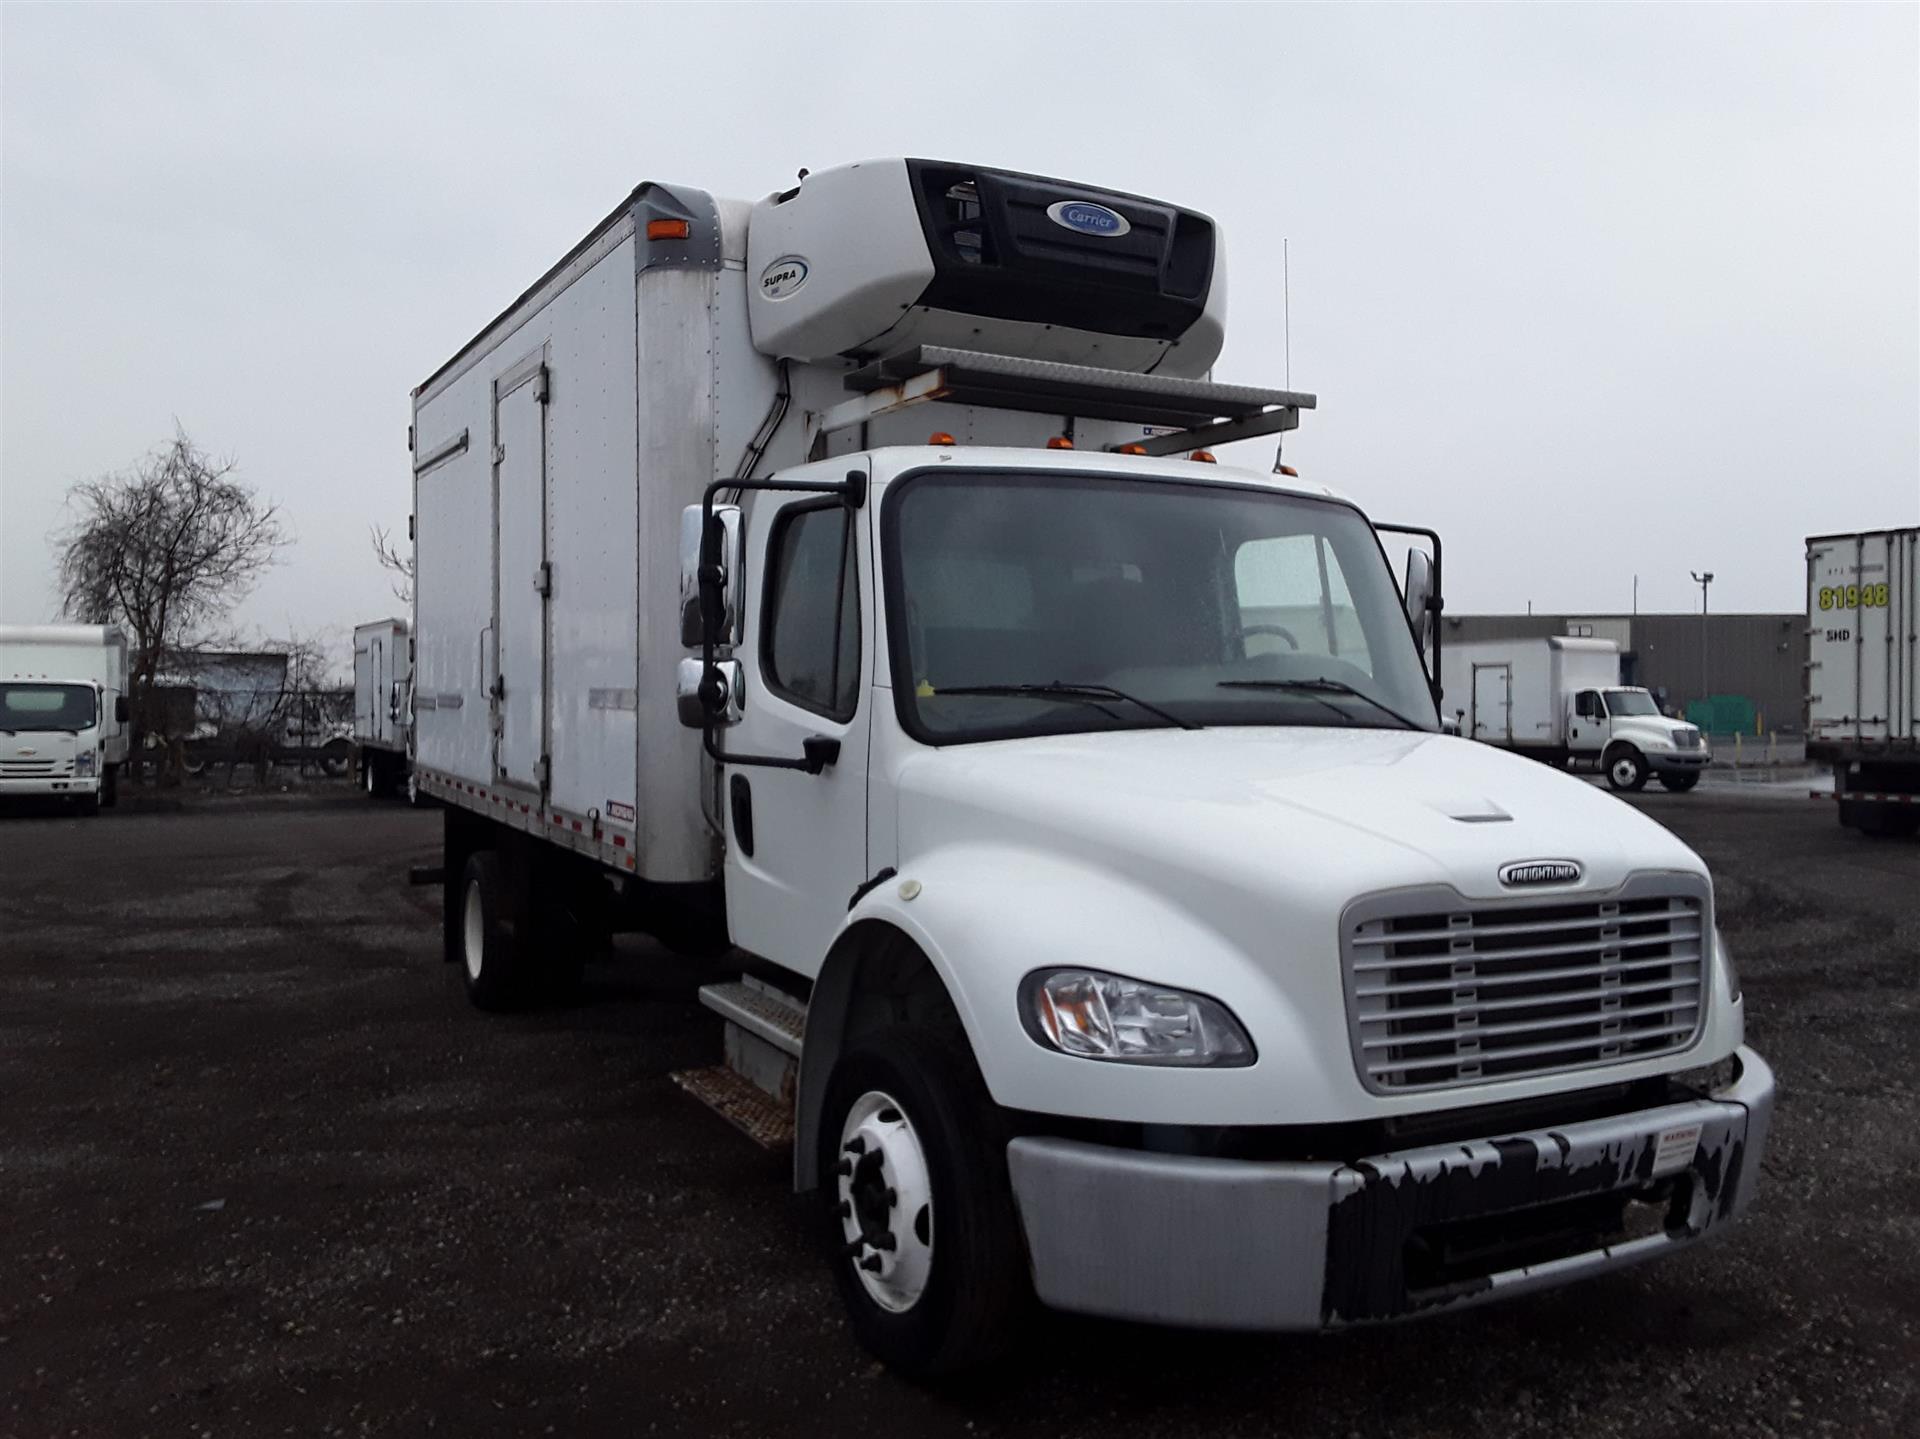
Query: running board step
{"points": [[764, 1120], [759, 1009]]}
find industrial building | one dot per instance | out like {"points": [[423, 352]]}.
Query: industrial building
{"points": [[1755, 664]]}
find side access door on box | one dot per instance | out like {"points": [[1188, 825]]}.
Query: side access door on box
{"points": [[1491, 716], [522, 577]]}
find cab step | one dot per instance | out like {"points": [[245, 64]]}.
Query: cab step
{"points": [[754, 1089], [767, 1122], [759, 1009]]}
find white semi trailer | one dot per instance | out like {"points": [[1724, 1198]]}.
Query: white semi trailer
{"points": [[63, 712], [1863, 675], [383, 705], [841, 578], [1559, 699]]}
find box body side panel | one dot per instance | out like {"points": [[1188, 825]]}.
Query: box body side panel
{"points": [[591, 535]]}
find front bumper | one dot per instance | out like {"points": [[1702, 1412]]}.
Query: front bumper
{"points": [[1238, 1244], [60, 786], [1681, 761]]}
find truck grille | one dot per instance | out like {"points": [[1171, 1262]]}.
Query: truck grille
{"points": [[1458, 993], [34, 768], [1686, 739]]}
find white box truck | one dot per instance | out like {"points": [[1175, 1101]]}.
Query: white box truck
{"points": [[841, 578], [1559, 699], [63, 712], [383, 706], [1863, 675]]}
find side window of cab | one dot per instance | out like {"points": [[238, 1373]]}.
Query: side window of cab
{"points": [[1587, 706], [810, 632]]}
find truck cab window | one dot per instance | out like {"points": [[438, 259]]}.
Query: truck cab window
{"points": [[1587, 706], [1292, 598], [810, 642]]}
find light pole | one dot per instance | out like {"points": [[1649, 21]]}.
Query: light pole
{"points": [[1703, 578]]}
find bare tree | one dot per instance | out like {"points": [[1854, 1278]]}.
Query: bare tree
{"points": [[165, 549], [393, 562]]}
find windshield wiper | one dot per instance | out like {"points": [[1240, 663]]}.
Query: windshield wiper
{"points": [[1318, 687], [1059, 690]]}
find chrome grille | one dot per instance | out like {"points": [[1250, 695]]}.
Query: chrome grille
{"points": [[1686, 739], [34, 768], [1449, 994]]}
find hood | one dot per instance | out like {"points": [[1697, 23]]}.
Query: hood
{"points": [[1328, 814], [1655, 728]]}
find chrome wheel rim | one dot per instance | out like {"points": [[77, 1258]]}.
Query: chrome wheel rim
{"points": [[1623, 772], [885, 1202]]}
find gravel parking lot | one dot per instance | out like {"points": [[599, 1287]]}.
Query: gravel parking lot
{"points": [[263, 1172]]}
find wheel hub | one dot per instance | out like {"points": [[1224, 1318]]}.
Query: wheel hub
{"points": [[885, 1202]]}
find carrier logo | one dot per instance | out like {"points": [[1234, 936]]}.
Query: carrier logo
{"points": [[1087, 218], [1540, 871], [783, 277]]}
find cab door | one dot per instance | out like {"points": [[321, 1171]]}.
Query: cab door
{"points": [[797, 842], [1588, 724]]}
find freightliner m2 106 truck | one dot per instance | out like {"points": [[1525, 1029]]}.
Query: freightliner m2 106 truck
{"points": [[840, 580]]}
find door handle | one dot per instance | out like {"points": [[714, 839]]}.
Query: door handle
{"points": [[819, 751]]}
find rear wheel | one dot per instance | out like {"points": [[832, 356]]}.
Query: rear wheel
{"points": [[1626, 769], [1680, 783], [492, 958], [918, 1212]]}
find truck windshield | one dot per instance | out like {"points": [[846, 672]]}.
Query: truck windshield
{"points": [[45, 706], [1631, 702], [1047, 603]]}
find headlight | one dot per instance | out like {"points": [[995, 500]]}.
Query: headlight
{"points": [[1726, 959], [83, 763], [1092, 1015]]}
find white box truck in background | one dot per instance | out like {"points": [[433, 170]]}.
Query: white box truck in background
{"points": [[843, 577], [1863, 675], [1559, 699], [383, 706], [63, 712]]}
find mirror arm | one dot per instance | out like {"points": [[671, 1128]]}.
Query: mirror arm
{"points": [[819, 751]]}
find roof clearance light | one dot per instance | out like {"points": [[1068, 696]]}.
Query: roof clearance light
{"points": [[667, 229], [1131, 450], [1205, 457], [1059, 442], [1289, 471], [940, 437]]}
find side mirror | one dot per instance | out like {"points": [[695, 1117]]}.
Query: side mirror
{"points": [[716, 692], [1419, 597], [120, 711], [727, 630]]}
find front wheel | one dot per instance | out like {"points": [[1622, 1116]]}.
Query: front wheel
{"points": [[1680, 783], [919, 1212], [1626, 770]]}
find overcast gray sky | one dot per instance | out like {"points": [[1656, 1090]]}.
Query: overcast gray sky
{"points": [[1594, 291]]}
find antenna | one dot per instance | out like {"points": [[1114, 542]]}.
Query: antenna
{"points": [[1286, 313]]}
